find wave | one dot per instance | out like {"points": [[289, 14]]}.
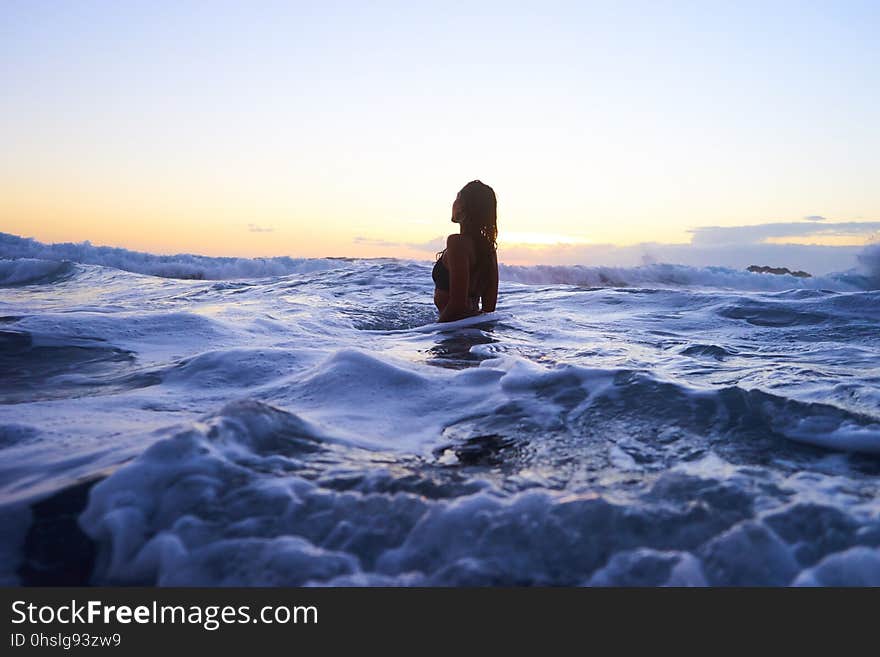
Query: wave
{"points": [[869, 259], [28, 271], [190, 266], [187, 266], [677, 276], [234, 498]]}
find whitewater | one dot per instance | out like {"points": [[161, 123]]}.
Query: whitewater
{"points": [[190, 420]]}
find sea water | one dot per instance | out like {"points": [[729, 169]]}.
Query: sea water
{"points": [[184, 420]]}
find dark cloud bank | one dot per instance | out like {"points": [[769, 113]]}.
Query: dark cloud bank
{"points": [[723, 246]]}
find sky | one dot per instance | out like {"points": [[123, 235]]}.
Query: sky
{"points": [[609, 130]]}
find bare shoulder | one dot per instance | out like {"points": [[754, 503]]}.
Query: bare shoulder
{"points": [[454, 241], [460, 243]]}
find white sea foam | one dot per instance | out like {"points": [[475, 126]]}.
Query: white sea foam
{"points": [[678, 276], [869, 260], [24, 271], [866, 276], [657, 425], [170, 266]]}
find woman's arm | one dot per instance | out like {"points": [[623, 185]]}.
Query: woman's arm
{"points": [[490, 295], [441, 298], [459, 279]]}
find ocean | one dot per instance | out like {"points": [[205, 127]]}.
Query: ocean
{"points": [[187, 420]]}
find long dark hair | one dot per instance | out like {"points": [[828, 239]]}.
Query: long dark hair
{"points": [[480, 208]]}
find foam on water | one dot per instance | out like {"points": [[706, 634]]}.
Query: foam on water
{"points": [[312, 424], [185, 266], [20, 262], [28, 271], [677, 276]]}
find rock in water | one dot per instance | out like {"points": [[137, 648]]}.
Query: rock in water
{"points": [[763, 269]]}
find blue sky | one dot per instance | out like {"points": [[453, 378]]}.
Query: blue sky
{"points": [[331, 128]]}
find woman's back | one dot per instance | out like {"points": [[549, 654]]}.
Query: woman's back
{"points": [[466, 271], [480, 273]]}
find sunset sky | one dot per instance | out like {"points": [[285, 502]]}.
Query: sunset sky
{"points": [[346, 129]]}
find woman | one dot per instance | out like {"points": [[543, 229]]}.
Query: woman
{"points": [[466, 272]]}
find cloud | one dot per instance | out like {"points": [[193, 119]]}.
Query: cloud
{"points": [[372, 241], [814, 217], [433, 245], [254, 228], [759, 233], [736, 247]]}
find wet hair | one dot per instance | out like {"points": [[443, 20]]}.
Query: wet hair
{"points": [[480, 210]]}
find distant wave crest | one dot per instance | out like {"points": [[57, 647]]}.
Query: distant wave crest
{"points": [[677, 276], [28, 271], [31, 261], [869, 259], [168, 266]]}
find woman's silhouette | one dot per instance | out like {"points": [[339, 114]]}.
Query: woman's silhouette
{"points": [[466, 272]]}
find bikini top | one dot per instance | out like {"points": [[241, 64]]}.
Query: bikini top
{"points": [[440, 274]]}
